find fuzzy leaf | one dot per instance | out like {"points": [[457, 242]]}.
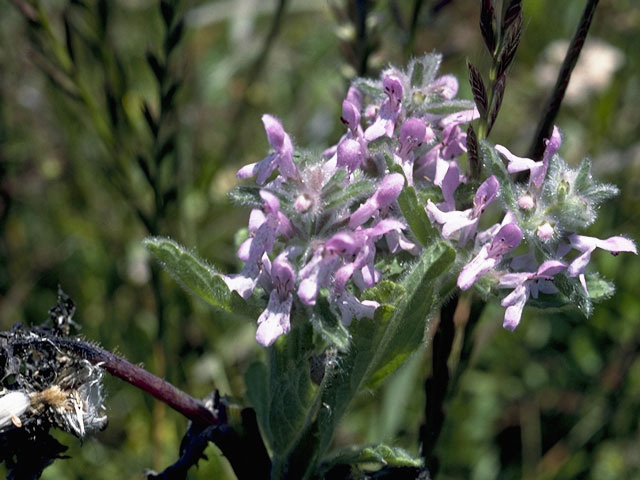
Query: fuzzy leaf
{"points": [[446, 107], [571, 289], [283, 394], [255, 379], [246, 196], [380, 345], [384, 292], [382, 455], [599, 288], [348, 194], [328, 325], [494, 166], [371, 88], [427, 66], [416, 70], [197, 277], [416, 216]]}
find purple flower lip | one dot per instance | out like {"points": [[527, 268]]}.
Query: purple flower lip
{"points": [[350, 116], [412, 135], [537, 170], [281, 159], [586, 245], [527, 284], [486, 193], [388, 191], [507, 239], [393, 88], [349, 154]]}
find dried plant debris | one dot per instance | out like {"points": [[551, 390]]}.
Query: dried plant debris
{"points": [[42, 386]]}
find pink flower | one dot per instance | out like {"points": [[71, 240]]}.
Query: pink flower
{"points": [[385, 121], [527, 284], [275, 320], [537, 170], [586, 245], [282, 158], [506, 239], [387, 193]]}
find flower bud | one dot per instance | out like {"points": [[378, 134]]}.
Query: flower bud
{"points": [[526, 202], [545, 231]]}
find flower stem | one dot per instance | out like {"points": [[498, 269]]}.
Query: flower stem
{"points": [[552, 106], [437, 385], [137, 376]]}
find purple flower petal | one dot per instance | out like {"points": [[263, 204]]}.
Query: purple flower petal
{"points": [[316, 274], [393, 88], [552, 145], [476, 268], [275, 320], [344, 243], [507, 238], [486, 193], [350, 116], [550, 268], [514, 302], [449, 183], [354, 97], [349, 154], [537, 170], [458, 118], [282, 274], [387, 192], [350, 307], [445, 85], [588, 244], [412, 134], [452, 221]]}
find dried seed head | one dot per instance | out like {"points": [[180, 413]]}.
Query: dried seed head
{"points": [[12, 405]]}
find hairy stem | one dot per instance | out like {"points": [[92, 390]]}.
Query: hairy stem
{"points": [[552, 106]]}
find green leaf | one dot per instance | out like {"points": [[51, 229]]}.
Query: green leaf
{"points": [[256, 381], [417, 73], [416, 216], [382, 146], [328, 325], [583, 177], [247, 196], [381, 454], [287, 420], [197, 277], [381, 344], [571, 289], [384, 292], [371, 88], [599, 288], [493, 164], [447, 107], [423, 70], [348, 194]]}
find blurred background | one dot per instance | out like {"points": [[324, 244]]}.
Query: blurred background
{"points": [[119, 120]]}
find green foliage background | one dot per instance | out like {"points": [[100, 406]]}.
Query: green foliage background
{"points": [[558, 398]]}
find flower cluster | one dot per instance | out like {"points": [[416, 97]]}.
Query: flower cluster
{"points": [[321, 226]]}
